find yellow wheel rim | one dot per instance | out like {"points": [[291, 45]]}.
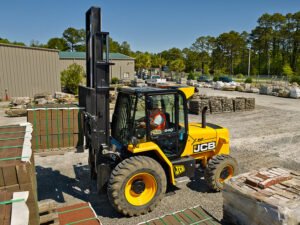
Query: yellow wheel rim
{"points": [[145, 193], [226, 173]]}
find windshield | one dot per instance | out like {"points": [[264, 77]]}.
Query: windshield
{"points": [[122, 121]]}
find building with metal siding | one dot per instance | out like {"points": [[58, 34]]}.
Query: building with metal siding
{"points": [[25, 71], [123, 67]]}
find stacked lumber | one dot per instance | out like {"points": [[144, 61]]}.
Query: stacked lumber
{"points": [[265, 196], [17, 170], [55, 128], [13, 208], [195, 215]]}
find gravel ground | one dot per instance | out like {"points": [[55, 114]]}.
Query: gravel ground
{"points": [[267, 136]]}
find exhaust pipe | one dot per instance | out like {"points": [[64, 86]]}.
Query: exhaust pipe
{"points": [[204, 117]]}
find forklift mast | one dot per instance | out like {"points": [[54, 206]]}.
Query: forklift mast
{"points": [[95, 96]]}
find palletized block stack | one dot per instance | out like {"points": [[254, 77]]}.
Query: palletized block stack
{"points": [[265, 196], [219, 104], [17, 170], [55, 128], [191, 216], [196, 105], [13, 208], [215, 104], [81, 213]]}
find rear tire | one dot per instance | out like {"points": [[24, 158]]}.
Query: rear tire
{"points": [[219, 169], [136, 185]]}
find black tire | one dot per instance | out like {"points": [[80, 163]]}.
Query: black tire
{"points": [[215, 172], [124, 173]]}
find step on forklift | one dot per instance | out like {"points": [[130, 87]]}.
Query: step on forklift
{"points": [[149, 144]]}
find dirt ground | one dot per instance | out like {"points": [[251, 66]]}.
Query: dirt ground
{"points": [[268, 136]]}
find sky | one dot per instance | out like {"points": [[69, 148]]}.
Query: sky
{"points": [[148, 25]]}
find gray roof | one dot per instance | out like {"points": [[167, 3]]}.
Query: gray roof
{"points": [[81, 55]]}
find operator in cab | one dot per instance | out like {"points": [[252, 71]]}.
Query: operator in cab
{"points": [[157, 118]]}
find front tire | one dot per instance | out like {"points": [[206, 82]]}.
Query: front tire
{"points": [[136, 185], [219, 169]]}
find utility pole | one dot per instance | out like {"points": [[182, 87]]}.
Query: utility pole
{"points": [[249, 61]]}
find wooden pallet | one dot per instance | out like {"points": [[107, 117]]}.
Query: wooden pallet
{"points": [[48, 213]]}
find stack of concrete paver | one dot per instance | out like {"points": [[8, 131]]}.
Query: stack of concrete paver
{"points": [[239, 104], [215, 105], [265, 196], [249, 103], [227, 105], [219, 104], [197, 105], [13, 208], [17, 170], [55, 127]]}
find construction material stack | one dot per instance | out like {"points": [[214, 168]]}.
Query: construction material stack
{"points": [[17, 170], [55, 128], [220, 104], [265, 196], [13, 208], [195, 215]]}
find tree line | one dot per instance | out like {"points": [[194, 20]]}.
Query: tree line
{"points": [[273, 46]]}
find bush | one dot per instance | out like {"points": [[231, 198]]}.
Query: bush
{"points": [[216, 78], [191, 76], [115, 80], [295, 79], [248, 80], [240, 76], [72, 77]]}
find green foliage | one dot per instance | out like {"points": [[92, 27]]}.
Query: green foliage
{"points": [[287, 70], [143, 61], [295, 79], [6, 41], [177, 65], [216, 78], [75, 38], [248, 80], [57, 43], [115, 80], [191, 76], [72, 77], [240, 76]]}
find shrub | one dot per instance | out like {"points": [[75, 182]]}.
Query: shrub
{"points": [[216, 78], [115, 80], [191, 76], [248, 80], [240, 76], [295, 79], [72, 77]]}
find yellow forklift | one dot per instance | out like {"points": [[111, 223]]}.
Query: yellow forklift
{"points": [[149, 144]]}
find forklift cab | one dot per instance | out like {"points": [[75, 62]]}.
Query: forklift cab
{"points": [[136, 111]]}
